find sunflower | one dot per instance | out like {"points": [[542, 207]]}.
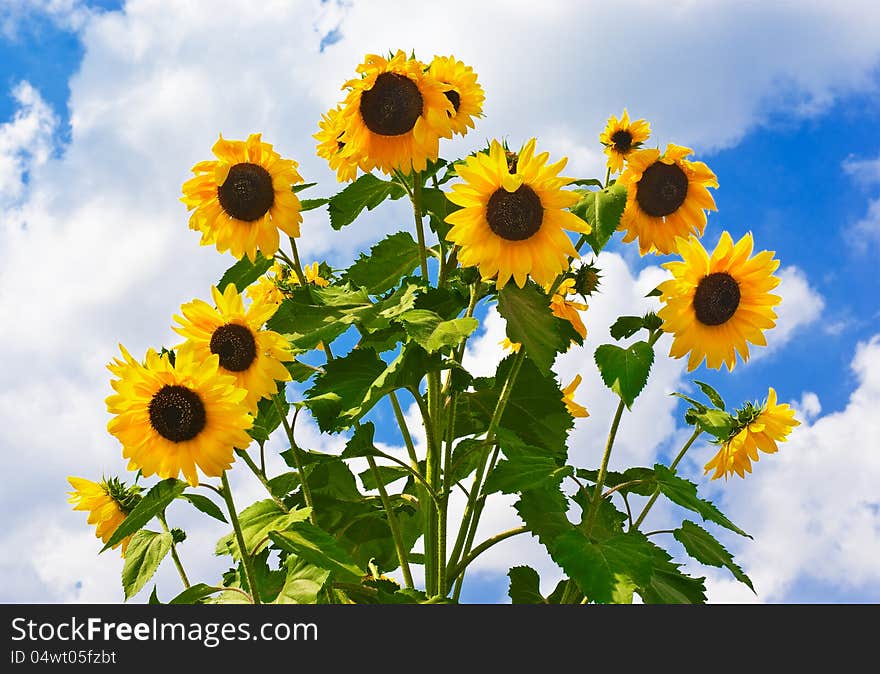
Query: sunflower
{"points": [[764, 426], [463, 91], [394, 115], [244, 198], [172, 417], [108, 503], [330, 146], [667, 197], [573, 408], [622, 138], [266, 290], [513, 219], [253, 356], [566, 309], [716, 304]]}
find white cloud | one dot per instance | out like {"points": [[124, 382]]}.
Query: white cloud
{"points": [[809, 406], [864, 171], [801, 305], [66, 14], [865, 234]]}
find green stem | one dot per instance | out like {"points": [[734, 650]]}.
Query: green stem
{"points": [[297, 265], [482, 547], [607, 176], [174, 556], [420, 226], [603, 469], [261, 476], [392, 524], [297, 458], [239, 537], [570, 593], [404, 430]]}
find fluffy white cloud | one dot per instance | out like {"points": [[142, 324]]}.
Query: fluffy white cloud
{"points": [[801, 305], [66, 14], [865, 233]]}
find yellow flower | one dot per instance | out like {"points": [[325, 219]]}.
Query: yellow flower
{"points": [[394, 115], [667, 197], [313, 276], [716, 304], [566, 309], [171, 418], [507, 345], [463, 91], [266, 291], [770, 424], [513, 219], [104, 510], [573, 408], [242, 199], [622, 138], [254, 357], [330, 146]]}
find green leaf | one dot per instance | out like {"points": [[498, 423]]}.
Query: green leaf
{"points": [[432, 333], [342, 387], [524, 586], [395, 256], [684, 493], [312, 204], [257, 521], [142, 557], [711, 394], [625, 371], [656, 292], [645, 487], [626, 326], [154, 599], [368, 191], [437, 206], [465, 458], [543, 512], [281, 485], [602, 209], [299, 371], [317, 547], [302, 583], [304, 186], [531, 323], [387, 474], [715, 422], [195, 593], [268, 418], [244, 272], [703, 547], [154, 503], [206, 505], [361, 442], [525, 468], [698, 406], [671, 586]]}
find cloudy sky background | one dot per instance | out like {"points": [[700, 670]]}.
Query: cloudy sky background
{"points": [[104, 108]]}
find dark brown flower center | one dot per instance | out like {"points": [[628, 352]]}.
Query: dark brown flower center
{"points": [[392, 106], [247, 193], [716, 299], [622, 140], [177, 413], [662, 189], [454, 98], [235, 345], [515, 215]]}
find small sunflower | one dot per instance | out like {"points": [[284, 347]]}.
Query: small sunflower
{"points": [[513, 219], [567, 309], [172, 418], [574, 409], [394, 115], [667, 197], [108, 503], [716, 304], [621, 138], [330, 146], [764, 426], [464, 93], [266, 290], [253, 356], [242, 199]]}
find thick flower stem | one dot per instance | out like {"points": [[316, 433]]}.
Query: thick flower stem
{"points": [[174, 556], [404, 430], [420, 225], [603, 469], [297, 265], [261, 476], [239, 537], [392, 524], [295, 451]]}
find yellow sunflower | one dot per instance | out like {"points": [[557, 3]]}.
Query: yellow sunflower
{"points": [[464, 93], [254, 357], [394, 115], [108, 503], [716, 304], [172, 418], [330, 146], [266, 290], [513, 219], [567, 309], [507, 345], [574, 409], [242, 199], [621, 138], [768, 424], [667, 197]]}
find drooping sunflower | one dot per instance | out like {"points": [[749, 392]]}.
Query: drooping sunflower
{"points": [[513, 219], [330, 146], [464, 93], [715, 305], [621, 138], [764, 426], [568, 309], [254, 357], [667, 197], [173, 418], [394, 115], [108, 503], [241, 199], [574, 409]]}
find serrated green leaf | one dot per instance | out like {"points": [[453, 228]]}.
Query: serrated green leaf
{"points": [[152, 504], [302, 583], [543, 512], [397, 255], [437, 206], [671, 586], [154, 599], [432, 333], [715, 422], [465, 458], [531, 323], [312, 315], [195, 593], [625, 371], [145, 552], [387, 474], [206, 505], [361, 442], [711, 394], [684, 493], [527, 470], [342, 387], [299, 371], [257, 521], [368, 191], [703, 547], [317, 547], [268, 418], [244, 272], [524, 586], [312, 204], [602, 209], [626, 326], [281, 485], [698, 406], [645, 476]]}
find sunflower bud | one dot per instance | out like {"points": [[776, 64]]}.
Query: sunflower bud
{"points": [[587, 279]]}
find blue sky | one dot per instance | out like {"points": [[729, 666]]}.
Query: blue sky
{"points": [[792, 144]]}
